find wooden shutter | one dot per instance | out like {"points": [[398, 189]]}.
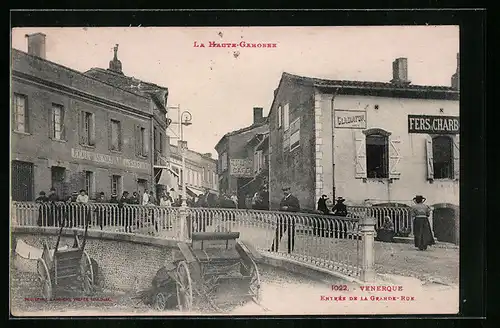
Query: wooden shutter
{"points": [[456, 157], [136, 138], [26, 115], [92, 130], [430, 158], [360, 160], [51, 122], [146, 137], [110, 134], [81, 127], [63, 124], [394, 158]]}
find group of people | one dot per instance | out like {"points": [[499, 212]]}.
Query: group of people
{"points": [[339, 209]]}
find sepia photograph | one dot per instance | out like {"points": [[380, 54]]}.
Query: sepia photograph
{"points": [[253, 171]]}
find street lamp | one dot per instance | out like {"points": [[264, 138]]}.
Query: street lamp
{"points": [[185, 120]]}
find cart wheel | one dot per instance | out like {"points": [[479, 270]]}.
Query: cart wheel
{"points": [[160, 301], [184, 287], [87, 274], [255, 284], [44, 277]]}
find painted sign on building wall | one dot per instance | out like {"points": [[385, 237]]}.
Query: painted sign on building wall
{"points": [[350, 119], [108, 159], [433, 124], [241, 168]]}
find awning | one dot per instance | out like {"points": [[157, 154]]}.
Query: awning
{"points": [[190, 192], [168, 178]]}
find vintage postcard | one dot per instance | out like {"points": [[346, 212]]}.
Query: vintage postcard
{"points": [[178, 171]]}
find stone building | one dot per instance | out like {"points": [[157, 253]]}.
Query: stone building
{"points": [[201, 172], [159, 95], [236, 157], [73, 131], [369, 142]]}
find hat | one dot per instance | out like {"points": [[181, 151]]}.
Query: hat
{"points": [[42, 193], [340, 199], [83, 190], [74, 193], [101, 193], [52, 189], [324, 196], [419, 198]]}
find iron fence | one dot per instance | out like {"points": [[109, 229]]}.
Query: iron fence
{"points": [[325, 241]]}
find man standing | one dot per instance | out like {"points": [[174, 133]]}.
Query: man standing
{"points": [[322, 207], [289, 203], [100, 210], [53, 214]]}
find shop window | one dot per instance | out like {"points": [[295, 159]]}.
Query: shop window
{"points": [[89, 183], [20, 113]]}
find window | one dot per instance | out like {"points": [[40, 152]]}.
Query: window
{"points": [[286, 116], [280, 116], [89, 183], [87, 128], [224, 162], [204, 175], [116, 187], [142, 142], [161, 144], [116, 135], [295, 134], [20, 113], [57, 122], [377, 159], [442, 154]]}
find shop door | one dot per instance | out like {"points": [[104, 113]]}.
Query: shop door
{"points": [[58, 178], [22, 181], [142, 185]]}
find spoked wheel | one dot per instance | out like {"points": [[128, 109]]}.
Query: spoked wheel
{"points": [[255, 283], [44, 279], [160, 301], [184, 287], [87, 274]]}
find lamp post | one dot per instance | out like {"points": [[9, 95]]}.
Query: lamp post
{"points": [[185, 120]]}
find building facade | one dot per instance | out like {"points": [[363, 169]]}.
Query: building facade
{"points": [[369, 142], [236, 152], [201, 172], [71, 131]]}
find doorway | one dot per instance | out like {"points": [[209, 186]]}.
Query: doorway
{"points": [[22, 181], [58, 177], [142, 185], [444, 224]]}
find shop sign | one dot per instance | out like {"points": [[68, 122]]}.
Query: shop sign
{"points": [[108, 159], [350, 119], [433, 124], [242, 168]]}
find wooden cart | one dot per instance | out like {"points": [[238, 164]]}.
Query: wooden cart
{"points": [[210, 264], [65, 269]]}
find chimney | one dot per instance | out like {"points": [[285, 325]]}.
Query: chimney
{"points": [[36, 44], [455, 78], [257, 115], [400, 71]]}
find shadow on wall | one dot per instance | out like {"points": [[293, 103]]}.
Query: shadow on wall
{"points": [[446, 223]]}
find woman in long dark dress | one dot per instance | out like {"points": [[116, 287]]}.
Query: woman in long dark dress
{"points": [[42, 209], [421, 226]]}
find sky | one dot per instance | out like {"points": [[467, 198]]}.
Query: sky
{"points": [[220, 90]]}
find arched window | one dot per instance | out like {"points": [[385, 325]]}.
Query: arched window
{"points": [[442, 154]]}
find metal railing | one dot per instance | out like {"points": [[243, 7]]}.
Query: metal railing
{"points": [[324, 241], [400, 217]]}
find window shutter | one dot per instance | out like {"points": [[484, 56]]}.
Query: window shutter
{"points": [[92, 129], [394, 158], [110, 134], [63, 124], [51, 123], [26, 115], [456, 157], [146, 143], [360, 170], [81, 127], [430, 158]]}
